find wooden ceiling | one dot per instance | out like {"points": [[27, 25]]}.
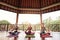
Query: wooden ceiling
{"points": [[30, 6]]}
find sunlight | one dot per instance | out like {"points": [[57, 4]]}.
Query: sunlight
{"points": [[30, 18], [53, 15], [9, 16]]}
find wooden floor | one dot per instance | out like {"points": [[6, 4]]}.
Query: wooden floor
{"points": [[3, 36]]}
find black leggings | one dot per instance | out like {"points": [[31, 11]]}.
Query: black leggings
{"points": [[13, 33], [42, 33]]}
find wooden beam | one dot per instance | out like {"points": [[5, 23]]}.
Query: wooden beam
{"points": [[31, 12], [29, 9], [5, 4], [50, 6]]}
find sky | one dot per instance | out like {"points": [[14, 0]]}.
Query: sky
{"points": [[27, 18]]}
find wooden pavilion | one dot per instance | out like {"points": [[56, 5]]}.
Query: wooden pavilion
{"points": [[30, 7]]}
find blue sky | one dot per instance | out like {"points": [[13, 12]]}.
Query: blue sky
{"points": [[30, 18]]}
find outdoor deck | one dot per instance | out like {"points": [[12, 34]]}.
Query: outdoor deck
{"points": [[3, 36]]}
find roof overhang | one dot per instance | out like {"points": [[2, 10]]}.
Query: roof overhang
{"points": [[36, 9]]}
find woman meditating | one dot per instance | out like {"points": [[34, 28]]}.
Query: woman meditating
{"points": [[44, 32], [14, 31], [28, 31]]}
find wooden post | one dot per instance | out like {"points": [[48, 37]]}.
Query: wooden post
{"points": [[17, 19], [42, 38], [29, 38], [41, 24], [7, 27], [41, 19], [15, 38]]}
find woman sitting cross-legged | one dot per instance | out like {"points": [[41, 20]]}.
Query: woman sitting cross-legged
{"points": [[44, 32], [14, 31], [28, 32]]}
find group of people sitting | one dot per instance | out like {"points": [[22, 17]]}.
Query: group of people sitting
{"points": [[29, 32]]}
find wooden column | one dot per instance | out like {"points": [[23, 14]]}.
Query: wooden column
{"points": [[41, 19], [29, 38], [17, 19], [15, 38], [41, 25]]}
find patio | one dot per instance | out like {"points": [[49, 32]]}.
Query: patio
{"points": [[3, 36], [30, 7]]}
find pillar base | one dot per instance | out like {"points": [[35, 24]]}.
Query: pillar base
{"points": [[42, 38], [29, 38], [15, 38]]}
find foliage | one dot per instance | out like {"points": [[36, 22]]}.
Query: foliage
{"points": [[4, 22], [53, 25]]}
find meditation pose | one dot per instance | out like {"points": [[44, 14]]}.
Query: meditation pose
{"points": [[28, 31], [14, 31], [44, 33], [43, 29]]}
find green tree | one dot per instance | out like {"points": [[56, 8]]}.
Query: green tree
{"points": [[53, 25], [4, 22], [56, 25]]}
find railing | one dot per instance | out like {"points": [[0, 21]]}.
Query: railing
{"points": [[35, 27], [7, 27]]}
